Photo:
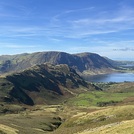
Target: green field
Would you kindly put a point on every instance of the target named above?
(99, 98)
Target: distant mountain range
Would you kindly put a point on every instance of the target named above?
(119, 63)
(82, 62)
(42, 84)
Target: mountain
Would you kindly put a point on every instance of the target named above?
(119, 63)
(42, 84)
(82, 62)
(92, 63)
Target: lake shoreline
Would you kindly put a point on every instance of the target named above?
(110, 77)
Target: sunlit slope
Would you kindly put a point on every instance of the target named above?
(105, 119)
(124, 127)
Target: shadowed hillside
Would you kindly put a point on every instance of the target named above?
(43, 83)
(88, 62)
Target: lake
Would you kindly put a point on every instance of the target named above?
(113, 77)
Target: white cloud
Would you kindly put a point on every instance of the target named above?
(107, 48)
(81, 25)
(20, 31)
(19, 46)
(76, 24)
(16, 46)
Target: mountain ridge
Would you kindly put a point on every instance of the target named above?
(45, 83)
(80, 62)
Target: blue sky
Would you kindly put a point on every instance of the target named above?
(105, 27)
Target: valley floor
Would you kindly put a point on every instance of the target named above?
(109, 111)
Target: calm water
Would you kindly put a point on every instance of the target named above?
(114, 77)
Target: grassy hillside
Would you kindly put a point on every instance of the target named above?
(124, 127)
(98, 112)
(100, 98)
(33, 120)
(84, 122)
(54, 99)
(42, 84)
(110, 94)
(56, 119)
(101, 111)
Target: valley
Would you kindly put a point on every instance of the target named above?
(66, 67)
(88, 112)
(44, 93)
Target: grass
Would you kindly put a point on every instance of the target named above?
(35, 120)
(4, 129)
(113, 87)
(100, 112)
(69, 118)
(96, 98)
(89, 112)
(124, 127)
(5, 86)
(99, 118)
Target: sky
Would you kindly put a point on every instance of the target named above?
(105, 27)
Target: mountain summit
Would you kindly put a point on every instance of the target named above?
(82, 62)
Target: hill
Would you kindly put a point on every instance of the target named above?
(82, 62)
(119, 64)
(99, 112)
(42, 84)
(106, 111)
(118, 119)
